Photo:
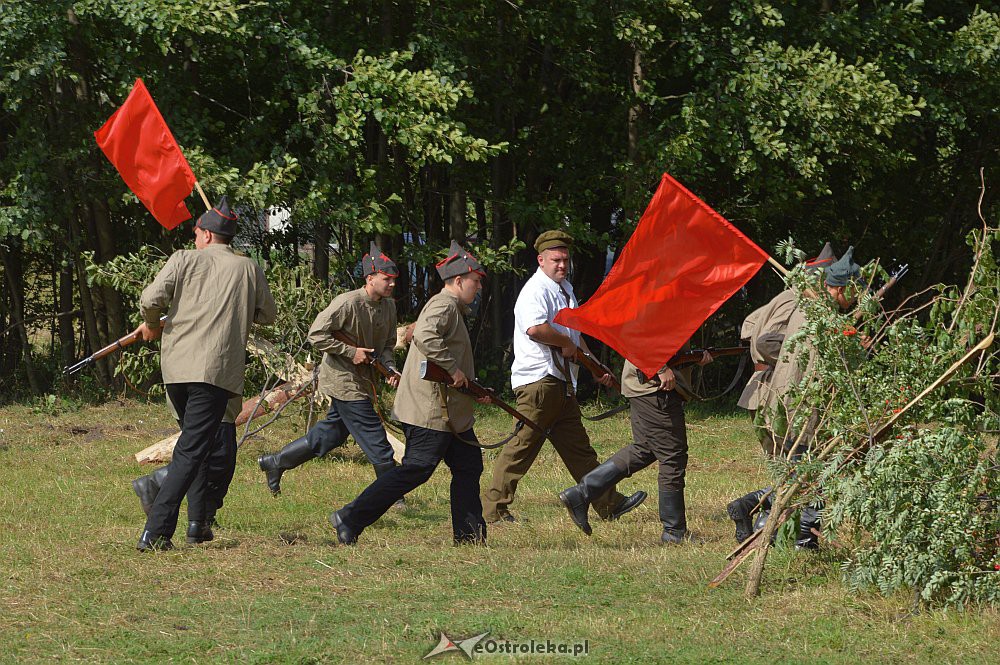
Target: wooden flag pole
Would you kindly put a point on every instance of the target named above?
(782, 270)
(208, 206)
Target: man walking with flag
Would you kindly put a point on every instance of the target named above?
(211, 296)
(544, 381)
(366, 317)
(659, 435)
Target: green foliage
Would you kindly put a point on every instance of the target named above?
(922, 503)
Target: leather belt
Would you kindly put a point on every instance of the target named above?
(762, 367)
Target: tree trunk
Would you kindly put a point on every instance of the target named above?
(321, 252)
(67, 341)
(15, 285)
(634, 111)
(458, 218)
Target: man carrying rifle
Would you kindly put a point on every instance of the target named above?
(213, 296)
(659, 435)
(367, 317)
(437, 421)
(544, 381)
(776, 412)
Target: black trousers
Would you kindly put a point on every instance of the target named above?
(425, 448)
(659, 435)
(211, 485)
(200, 408)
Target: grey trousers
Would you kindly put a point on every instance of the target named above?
(659, 435)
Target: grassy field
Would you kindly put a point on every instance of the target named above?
(74, 588)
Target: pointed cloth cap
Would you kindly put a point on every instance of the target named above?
(219, 219)
(459, 262)
(825, 259)
(844, 270)
(375, 261)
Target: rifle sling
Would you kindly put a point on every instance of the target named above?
(387, 423)
(610, 412)
(690, 395)
(443, 397)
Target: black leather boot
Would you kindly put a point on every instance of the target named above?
(345, 535)
(150, 542)
(628, 503)
(199, 532)
(147, 487)
(296, 453)
(381, 469)
(742, 510)
(578, 498)
(761, 520)
(808, 520)
(673, 518)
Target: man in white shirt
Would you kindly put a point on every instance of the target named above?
(544, 381)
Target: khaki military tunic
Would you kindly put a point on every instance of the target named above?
(776, 405)
(369, 322)
(630, 382)
(213, 295)
(442, 337)
(765, 328)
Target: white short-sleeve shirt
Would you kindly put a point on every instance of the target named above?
(538, 303)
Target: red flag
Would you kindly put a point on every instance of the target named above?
(139, 143)
(681, 263)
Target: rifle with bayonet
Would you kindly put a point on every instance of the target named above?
(373, 359)
(131, 338)
(431, 371)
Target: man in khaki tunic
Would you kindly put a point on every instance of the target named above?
(544, 381)
(437, 420)
(777, 411)
(766, 328)
(212, 296)
(368, 317)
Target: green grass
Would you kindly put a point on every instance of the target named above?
(72, 586)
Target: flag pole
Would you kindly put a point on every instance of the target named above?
(208, 206)
(782, 270)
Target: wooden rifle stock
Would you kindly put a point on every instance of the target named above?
(693, 356)
(596, 368)
(431, 371)
(121, 343)
(373, 358)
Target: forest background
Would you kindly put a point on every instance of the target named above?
(415, 122)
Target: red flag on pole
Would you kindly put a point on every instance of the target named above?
(139, 144)
(682, 262)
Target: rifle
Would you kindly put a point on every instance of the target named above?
(431, 371)
(693, 356)
(596, 368)
(131, 338)
(896, 274)
(373, 359)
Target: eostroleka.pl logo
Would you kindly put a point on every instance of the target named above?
(478, 644)
(446, 644)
